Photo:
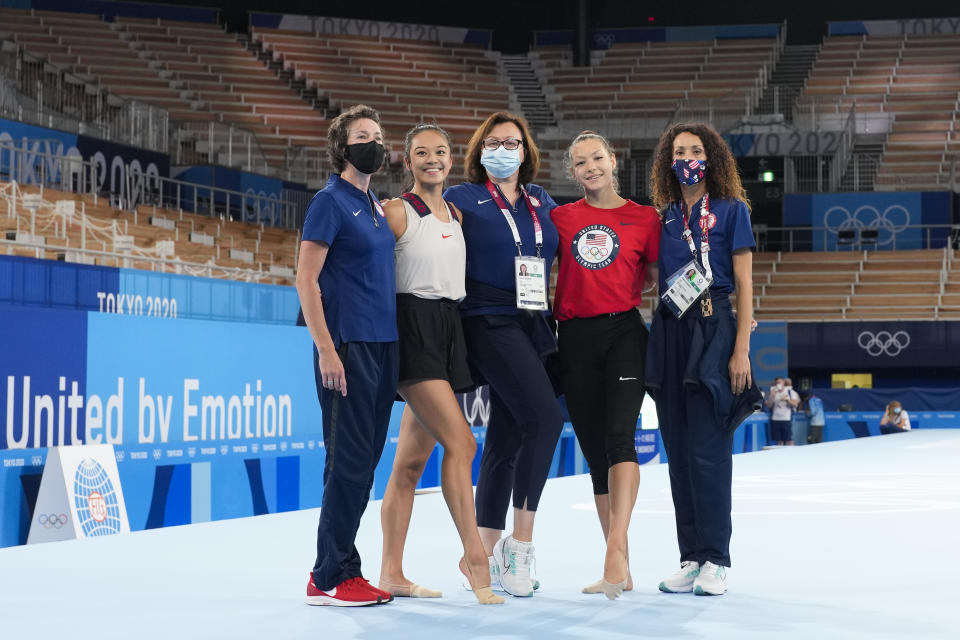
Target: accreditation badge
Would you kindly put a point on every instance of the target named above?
(684, 287)
(531, 276)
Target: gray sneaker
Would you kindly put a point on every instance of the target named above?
(682, 581)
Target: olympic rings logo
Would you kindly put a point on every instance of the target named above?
(893, 220)
(477, 408)
(605, 39)
(52, 520)
(594, 253)
(883, 342)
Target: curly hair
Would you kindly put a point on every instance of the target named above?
(531, 159)
(723, 178)
(340, 129)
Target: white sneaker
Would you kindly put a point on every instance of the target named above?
(712, 580)
(513, 560)
(682, 581)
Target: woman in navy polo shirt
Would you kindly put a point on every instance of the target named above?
(698, 355)
(346, 284)
(506, 224)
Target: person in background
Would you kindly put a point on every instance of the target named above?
(895, 419)
(814, 406)
(782, 400)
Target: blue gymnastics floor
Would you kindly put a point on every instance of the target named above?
(851, 539)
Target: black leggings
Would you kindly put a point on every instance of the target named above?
(602, 360)
(525, 417)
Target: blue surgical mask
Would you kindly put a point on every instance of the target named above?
(689, 172)
(501, 163)
(896, 409)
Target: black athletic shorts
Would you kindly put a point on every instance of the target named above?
(431, 341)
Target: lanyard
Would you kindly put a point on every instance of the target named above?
(707, 221)
(501, 203)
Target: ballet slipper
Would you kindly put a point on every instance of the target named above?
(411, 590)
(612, 590)
(483, 593)
(597, 587)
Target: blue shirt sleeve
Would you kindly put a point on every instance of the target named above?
(547, 201)
(741, 233)
(322, 220)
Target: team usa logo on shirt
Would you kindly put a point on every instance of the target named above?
(595, 246)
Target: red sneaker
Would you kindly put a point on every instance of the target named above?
(352, 592)
(386, 595)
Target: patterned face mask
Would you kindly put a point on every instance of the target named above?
(689, 172)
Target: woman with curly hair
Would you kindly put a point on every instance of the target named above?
(698, 355)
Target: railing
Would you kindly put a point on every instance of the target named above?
(37, 92)
(842, 155)
(133, 188)
(947, 178)
(34, 91)
(919, 236)
(126, 260)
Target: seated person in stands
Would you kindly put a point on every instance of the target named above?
(895, 419)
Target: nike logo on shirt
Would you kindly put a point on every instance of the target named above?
(357, 212)
(482, 201)
(623, 379)
(444, 236)
(669, 221)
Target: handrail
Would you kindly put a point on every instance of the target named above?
(805, 238)
(134, 187)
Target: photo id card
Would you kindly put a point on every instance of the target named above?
(684, 287)
(531, 276)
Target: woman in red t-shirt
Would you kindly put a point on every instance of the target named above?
(607, 253)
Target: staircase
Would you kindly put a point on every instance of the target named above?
(786, 82)
(526, 88)
(308, 94)
(861, 171)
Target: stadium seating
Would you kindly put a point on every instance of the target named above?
(910, 84)
(889, 285)
(408, 82)
(650, 80)
(266, 254)
(196, 71)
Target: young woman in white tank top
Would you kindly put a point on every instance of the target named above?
(430, 265)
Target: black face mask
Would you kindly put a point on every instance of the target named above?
(366, 157)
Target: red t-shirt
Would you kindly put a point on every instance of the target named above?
(603, 256)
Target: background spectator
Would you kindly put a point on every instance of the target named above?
(895, 419)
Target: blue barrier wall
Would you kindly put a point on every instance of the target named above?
(209, 420)
(65, 285)
(111, 159)
(871, 346)
(261, 190)
(893, 214)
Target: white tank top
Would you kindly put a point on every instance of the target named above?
(431, 257)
